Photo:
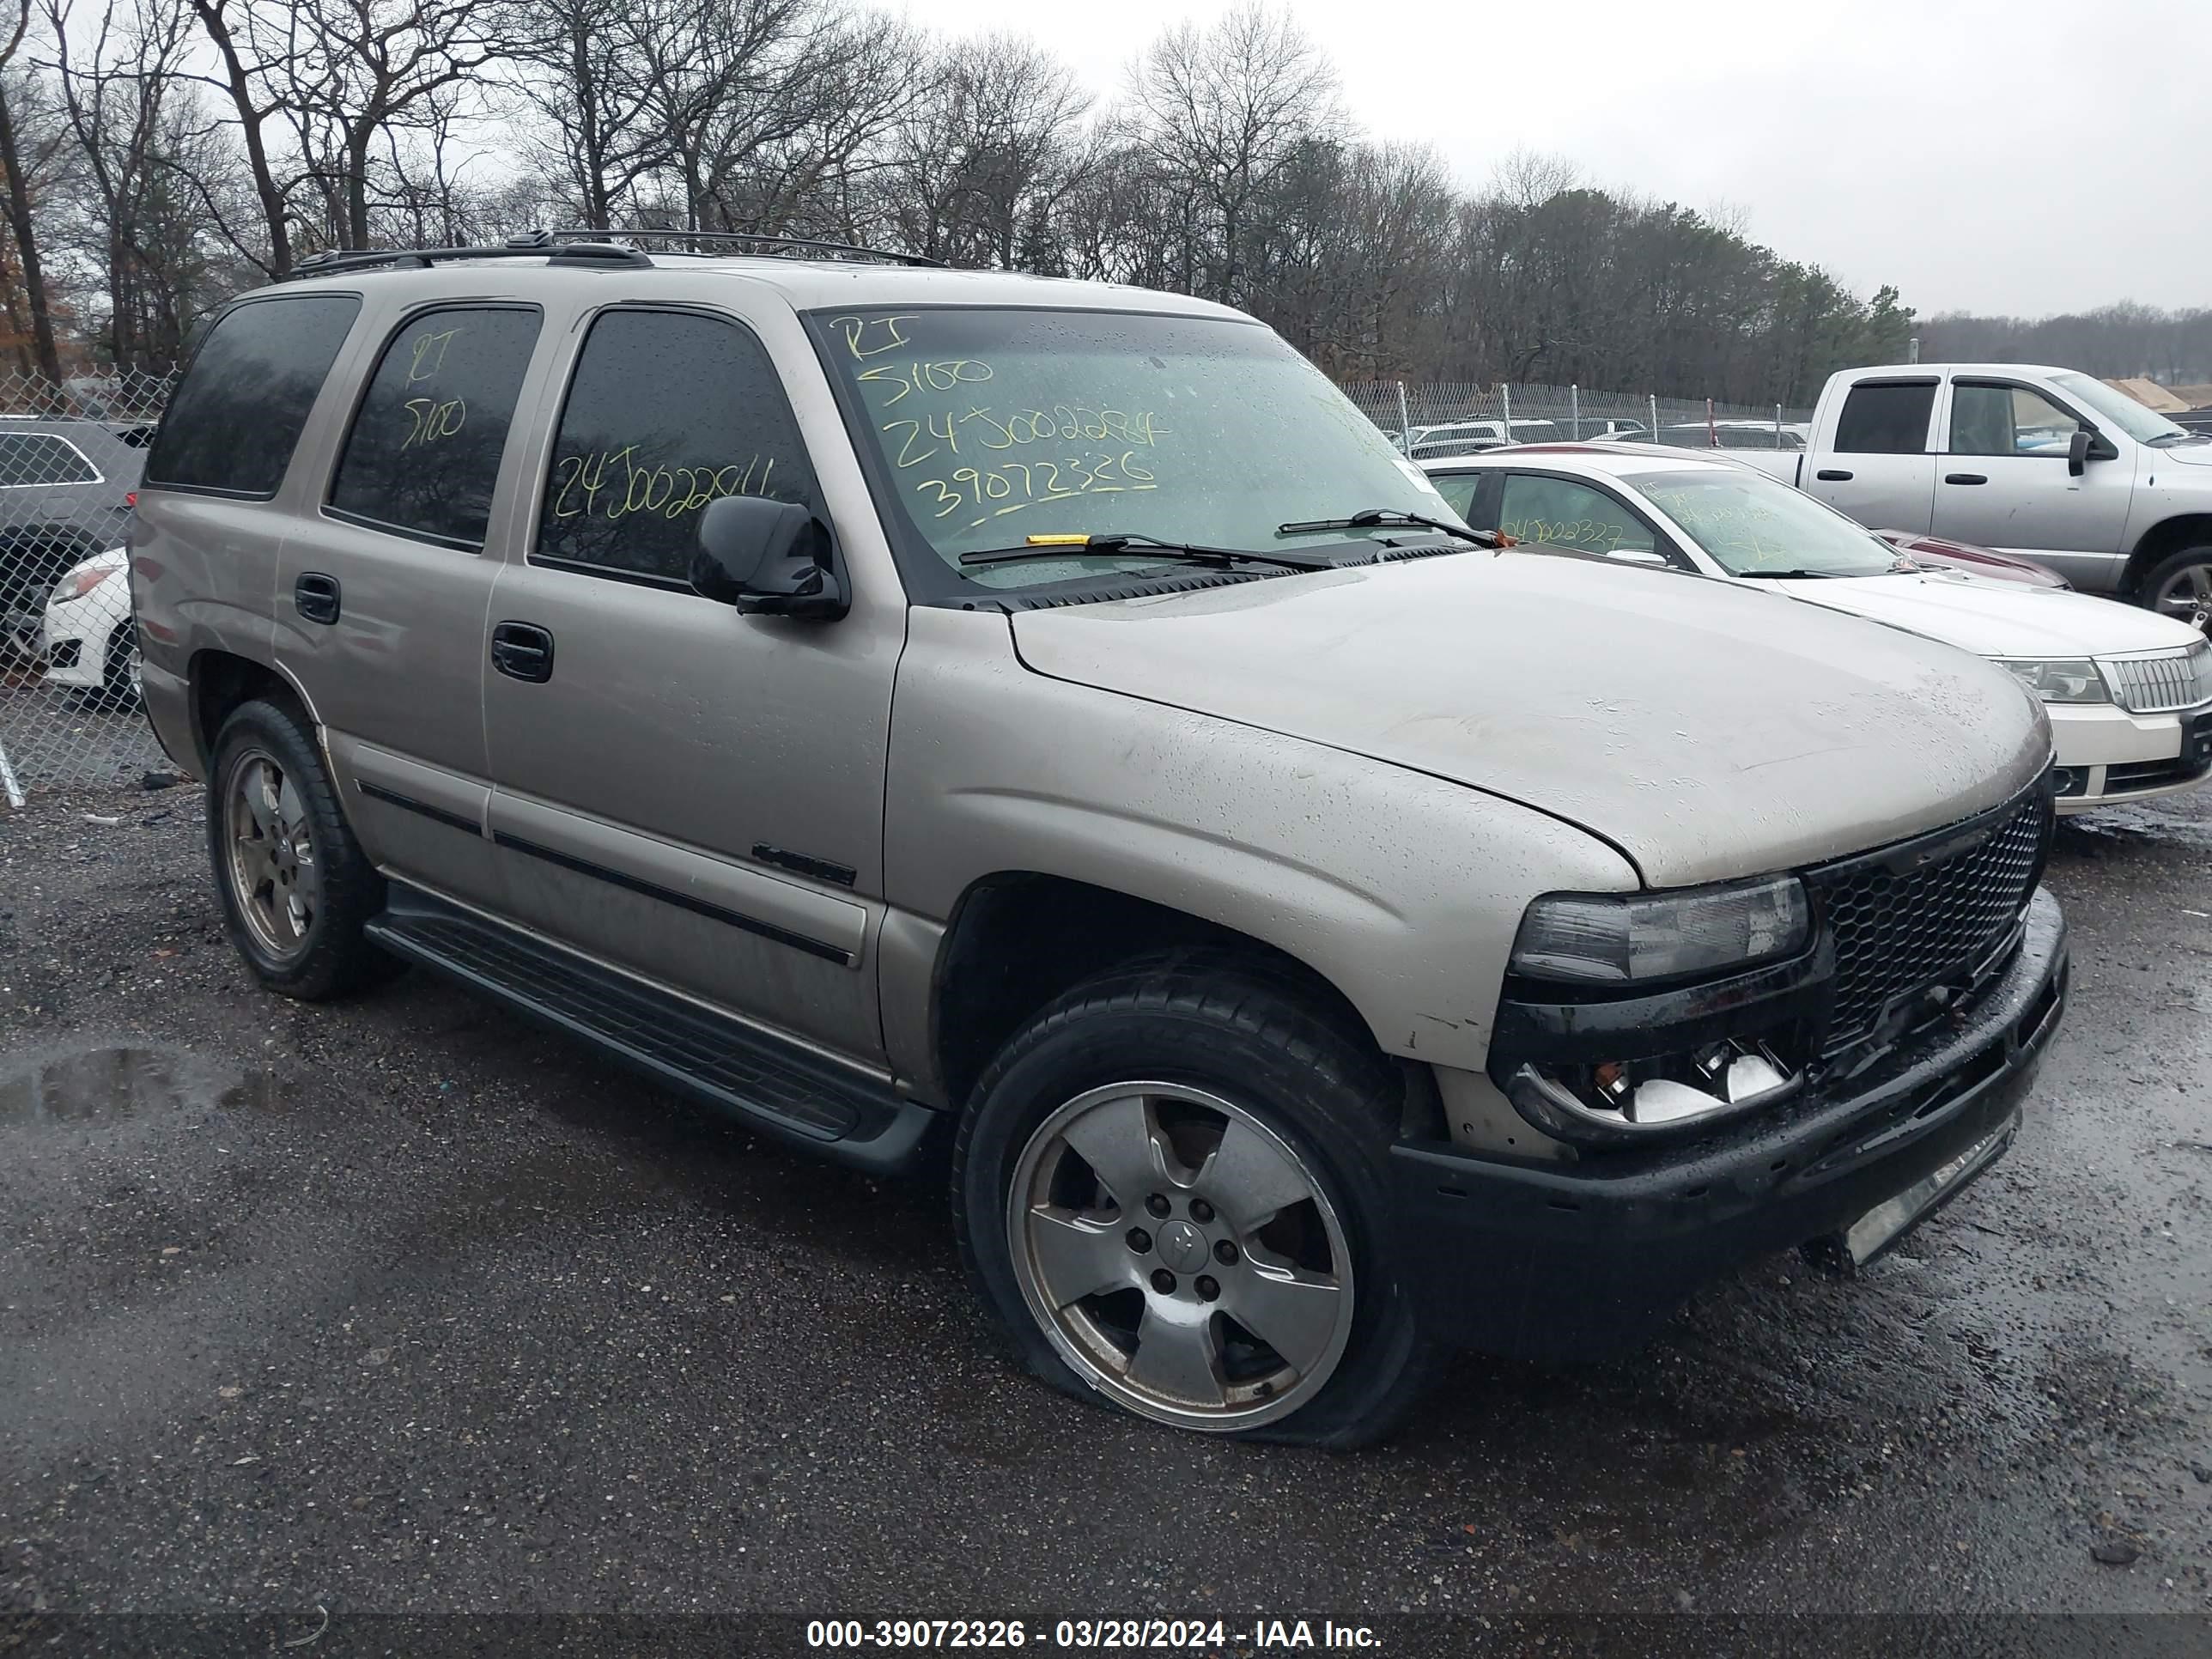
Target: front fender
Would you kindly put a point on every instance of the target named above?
(1402, 889)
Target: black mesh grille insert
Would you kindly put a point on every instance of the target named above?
(1898, 934)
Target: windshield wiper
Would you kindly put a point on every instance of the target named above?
(2165, 440)
(1383, 517)
(1789, 576)
(1123, 542)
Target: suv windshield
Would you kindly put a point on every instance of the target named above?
(2122, 412)
(1006, 429)
(1755, 525)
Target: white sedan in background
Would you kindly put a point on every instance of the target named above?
(2129, 691)
(89, 641)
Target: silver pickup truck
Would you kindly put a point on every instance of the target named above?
(2046, 463)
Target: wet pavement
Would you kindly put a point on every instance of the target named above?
(400, 1306)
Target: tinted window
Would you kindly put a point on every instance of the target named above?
(1458, 490)
(233, 423)
(1562, 514)
(1886, 420)
(666, 413)
(2007, 420)
(425, 447)
(40, 458)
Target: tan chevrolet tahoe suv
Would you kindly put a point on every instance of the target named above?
(927, 712)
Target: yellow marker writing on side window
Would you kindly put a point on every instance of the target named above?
(1057, 541)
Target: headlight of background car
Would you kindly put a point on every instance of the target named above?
(82, 579)
(2059, 679)
(1601, 938)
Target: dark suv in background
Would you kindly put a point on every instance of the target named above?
(66, 490)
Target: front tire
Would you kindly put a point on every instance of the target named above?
(2180, 586)
(296, 886)
(1171, 1190)
(119, 687)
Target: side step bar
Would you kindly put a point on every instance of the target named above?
(774, 1087)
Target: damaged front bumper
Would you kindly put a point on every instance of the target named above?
(1582, 1260)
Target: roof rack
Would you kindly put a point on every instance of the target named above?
(535, 244)
(759, 240)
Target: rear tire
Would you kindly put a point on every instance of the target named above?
(1247, 1290)
(296, 888)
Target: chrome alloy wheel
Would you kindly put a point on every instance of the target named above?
(1181, 1256)
(272, 856)
(2186, 595)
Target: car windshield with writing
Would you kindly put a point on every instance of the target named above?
(999, 430)
(1754, 526)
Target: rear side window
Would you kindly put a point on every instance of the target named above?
(231, 428)
(1885, 419)
(1559, 513)
(30, 459)
(668, 411)
(426, 443)
(1458, 490)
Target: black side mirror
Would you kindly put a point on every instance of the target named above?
(769, 557)
(2077, 451)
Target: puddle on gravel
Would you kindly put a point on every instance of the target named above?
(123, 1083)
(2131, 826)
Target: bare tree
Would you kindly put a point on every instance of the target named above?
(772, 110)
(982, 161)
(122, 98)
(589, 74)
(354, 71)
(19, 203)
(1220, 111)
(247, 76)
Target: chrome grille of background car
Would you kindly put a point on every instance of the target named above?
(2158, 685)
(1899, 934)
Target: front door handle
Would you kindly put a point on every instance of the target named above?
(1831, 475)
(1966, 477)
(315, 597)
(522, 651)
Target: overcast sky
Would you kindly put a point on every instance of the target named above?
(2028, 157)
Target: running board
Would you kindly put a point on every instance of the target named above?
(773, 1087)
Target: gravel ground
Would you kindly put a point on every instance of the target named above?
(400, 1307)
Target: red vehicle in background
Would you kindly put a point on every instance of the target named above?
(1948, 555)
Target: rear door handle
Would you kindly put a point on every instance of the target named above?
(315, 597)
(1966, 477)
(522, 651)
(1829, 475)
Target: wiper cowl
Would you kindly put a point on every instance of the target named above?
(1128, 543)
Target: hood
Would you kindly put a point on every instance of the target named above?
(1707, 729)
(2194, 454)
(1995, 618)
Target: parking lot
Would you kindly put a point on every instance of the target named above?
(400, 1306)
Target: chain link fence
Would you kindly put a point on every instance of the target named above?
(1454, 418)
(71, 455)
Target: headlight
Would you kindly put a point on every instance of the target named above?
(2058, 679)
(82, 579)
(1603, 939)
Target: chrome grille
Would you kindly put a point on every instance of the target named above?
(1896, 934)
(2161, 684)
